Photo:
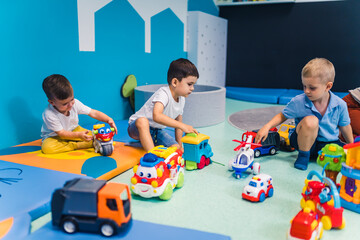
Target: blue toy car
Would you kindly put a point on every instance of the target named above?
(197, 151)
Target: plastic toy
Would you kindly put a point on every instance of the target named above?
(244, 159)
(284, 137)
(332, 155)
(259, 187)
(197, 151)
(305, 225)
(270, 146)
(158, 173)
(323, 198)
(350, 180)
(92, 206)
(103, 141)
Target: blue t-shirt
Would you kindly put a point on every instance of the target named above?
(336, 115)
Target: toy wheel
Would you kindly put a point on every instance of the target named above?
(69, 225)
(201, 164)
(342, 224)
(326, 221)
(257, 153)
(207, 161)
(166, 195)
(180, 181)
(271, 192)
(256, 168)
(272, 151)
(107, 229)
(262, 197)
(302, 203)
(106, 150)
(310, 204)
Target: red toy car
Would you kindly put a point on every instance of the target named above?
(305, 225)
(158, 173)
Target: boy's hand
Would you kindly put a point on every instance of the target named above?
(112, 124)
(189, 129)
(261, 135)
(85, 136)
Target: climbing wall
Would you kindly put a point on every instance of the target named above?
(207, 37)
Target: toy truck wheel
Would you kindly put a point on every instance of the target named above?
(271, 192)
(342, 224)
(326, 221)
(107, 229)
(257, 153)
(106, 150)
(180, 181)
(207, 161)
(272, 151)
(167, 192)
(69, 225)
(262, 197)
(201, 164)
(256, 168)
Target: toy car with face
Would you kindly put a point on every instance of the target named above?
(259, 187)
(305, 225)
(103, 141)
(158, 173)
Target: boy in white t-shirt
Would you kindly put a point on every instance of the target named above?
(60, 131)
(165, 108)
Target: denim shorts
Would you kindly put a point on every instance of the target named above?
(316, 147)
(159, 136)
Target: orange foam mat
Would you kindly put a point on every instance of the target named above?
(85, 161)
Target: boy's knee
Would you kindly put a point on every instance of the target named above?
(310, 122)
(142, 123)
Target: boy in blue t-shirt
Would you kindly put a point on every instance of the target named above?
(318, 114)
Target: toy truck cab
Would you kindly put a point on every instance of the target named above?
(197, 151)
(269, 146)
(259, 187)
(305, 225)
(91, 205)
(158, 173)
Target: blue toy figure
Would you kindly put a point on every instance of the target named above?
(197, 151)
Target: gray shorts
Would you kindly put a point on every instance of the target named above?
(159, 136)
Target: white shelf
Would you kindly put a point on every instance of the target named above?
(221, 3)
(230, 3)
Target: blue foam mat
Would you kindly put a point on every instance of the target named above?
(137, 230)
(26, 189)
(262, 95)
(20, 228)
(267, 95)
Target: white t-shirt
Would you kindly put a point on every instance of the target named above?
(56, 121)
(172, 108)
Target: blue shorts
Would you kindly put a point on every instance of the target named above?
(316, 147)
(159, 136)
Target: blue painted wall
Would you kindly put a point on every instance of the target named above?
(40, 37)
(206, 6)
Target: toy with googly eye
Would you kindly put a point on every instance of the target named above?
(103, 139)
(158, 173)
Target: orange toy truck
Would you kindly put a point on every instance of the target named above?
(91, 205)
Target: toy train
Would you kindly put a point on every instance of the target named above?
(197, 151)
